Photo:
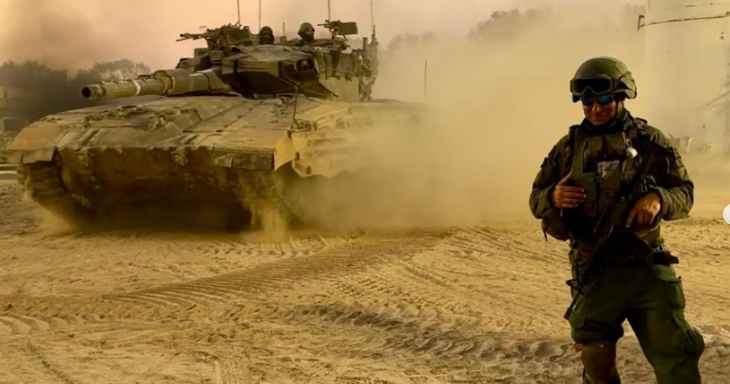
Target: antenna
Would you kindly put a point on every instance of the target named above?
(425, 81)
(238, 8)
(259, 15)
(296, 102)
(329, 10)
(372, 18)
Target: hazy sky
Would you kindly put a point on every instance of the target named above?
(76, 33)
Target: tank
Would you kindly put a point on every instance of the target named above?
(230, 133)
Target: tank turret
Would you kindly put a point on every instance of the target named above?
(234, 61)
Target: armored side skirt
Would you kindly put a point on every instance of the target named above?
(102, 184)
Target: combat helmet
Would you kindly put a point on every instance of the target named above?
(266, 35)
(304, 27)
(602, 75)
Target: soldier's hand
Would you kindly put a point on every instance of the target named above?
(565, 196)
(645, 210)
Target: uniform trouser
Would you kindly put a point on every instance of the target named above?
(653, 302)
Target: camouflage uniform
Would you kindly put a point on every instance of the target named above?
(648, 294)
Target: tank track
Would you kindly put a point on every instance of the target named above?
(42, 181)
(274, 196)
(264, 195)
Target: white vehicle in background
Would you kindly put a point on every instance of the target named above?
(687, 52)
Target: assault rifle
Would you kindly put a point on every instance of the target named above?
(610, 234)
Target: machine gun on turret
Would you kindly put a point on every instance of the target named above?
(223, 38)
(340, 28)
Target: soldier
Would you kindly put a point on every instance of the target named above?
(578, 178)
(266, 36)
(306, 32)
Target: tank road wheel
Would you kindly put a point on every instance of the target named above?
(294, 193)
(42, 181)
(268, 213)
(273, 198)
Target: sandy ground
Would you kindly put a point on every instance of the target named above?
(481, 304)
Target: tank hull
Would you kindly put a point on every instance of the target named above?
(235, 156)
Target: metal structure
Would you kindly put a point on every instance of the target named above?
(13, 109)
(687, 54)
(15, 105)
(236, 128)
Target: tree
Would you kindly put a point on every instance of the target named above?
(505, 25)
(56, 89)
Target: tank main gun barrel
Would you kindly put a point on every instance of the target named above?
(163, 82)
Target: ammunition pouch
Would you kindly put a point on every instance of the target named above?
(554, 225)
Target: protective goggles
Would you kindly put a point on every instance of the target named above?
(588, 101)
(596, 85)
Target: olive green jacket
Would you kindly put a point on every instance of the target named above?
(675, 188)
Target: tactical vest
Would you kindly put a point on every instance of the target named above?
(599, 164)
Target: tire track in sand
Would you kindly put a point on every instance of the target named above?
(29, 363)
(402, 336)
(437, 280)
(254, 282)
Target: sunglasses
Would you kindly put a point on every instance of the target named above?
(601, 100)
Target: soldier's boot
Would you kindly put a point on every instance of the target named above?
(586, 380)
(599, 363)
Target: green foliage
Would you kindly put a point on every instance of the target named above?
(31, 75)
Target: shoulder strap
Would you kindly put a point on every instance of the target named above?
(638, 134)
(568, 150)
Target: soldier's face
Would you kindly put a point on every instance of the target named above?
(600, 109)
(308, 33)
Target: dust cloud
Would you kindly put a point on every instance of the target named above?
(76, 33)
(497, 89)
(497, 104)
(50, 49)
(51, 32)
